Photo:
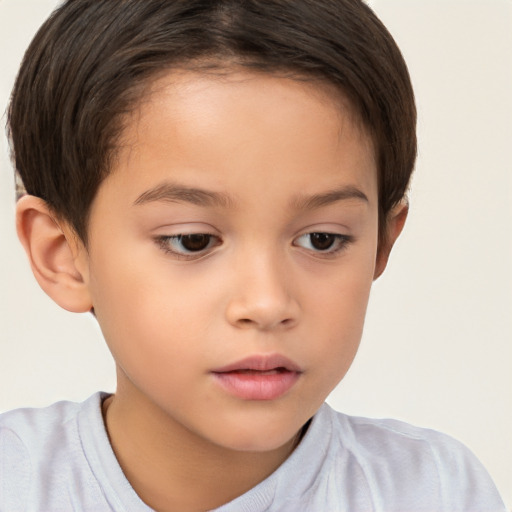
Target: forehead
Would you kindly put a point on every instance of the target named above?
(239, 123)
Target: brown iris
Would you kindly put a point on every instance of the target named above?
(322, 241)
(195, 242)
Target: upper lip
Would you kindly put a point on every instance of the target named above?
(261, 363)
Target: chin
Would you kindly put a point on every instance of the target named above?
(258, 437)
(260, 445)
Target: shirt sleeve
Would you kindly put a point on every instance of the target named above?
(465, 484)
(15, 469)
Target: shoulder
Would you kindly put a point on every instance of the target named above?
(34, 428)
(389, 436)
(38, 446)
(28, 421)
(404, 462)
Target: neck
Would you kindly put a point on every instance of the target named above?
(171, 468)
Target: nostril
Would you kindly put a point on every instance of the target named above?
(281, 313)
(265, 323)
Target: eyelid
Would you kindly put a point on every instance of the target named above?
(163, 242)
(167, 242)
(341, 243)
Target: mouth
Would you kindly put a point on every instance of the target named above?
(258, 377)
(262, 364)
(273, 371)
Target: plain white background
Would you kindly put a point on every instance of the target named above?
(437, 348)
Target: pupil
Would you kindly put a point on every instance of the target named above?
(196, 242)
(322, 241)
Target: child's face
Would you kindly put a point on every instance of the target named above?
(244, 168)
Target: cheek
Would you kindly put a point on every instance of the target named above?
(342, 295)
(148, 315)
(338, 311)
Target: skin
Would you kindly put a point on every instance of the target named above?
(266, 146)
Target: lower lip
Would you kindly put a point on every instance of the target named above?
(257, 385)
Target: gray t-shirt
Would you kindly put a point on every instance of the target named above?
(59, 459)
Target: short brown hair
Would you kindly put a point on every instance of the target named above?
(87, 65)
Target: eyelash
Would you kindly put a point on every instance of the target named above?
(165, 243)
(340, 243)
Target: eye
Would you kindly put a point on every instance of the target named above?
(194, 244)
(328, 243)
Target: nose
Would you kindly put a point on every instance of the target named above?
(262, 296)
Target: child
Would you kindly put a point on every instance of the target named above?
(219, 183)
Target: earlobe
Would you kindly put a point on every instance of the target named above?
(394, 225)
(57, 258)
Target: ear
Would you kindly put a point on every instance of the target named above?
(394, 224)
(58, 259)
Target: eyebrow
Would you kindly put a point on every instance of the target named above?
(170, 192)
(310, 202)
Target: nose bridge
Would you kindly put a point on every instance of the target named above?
(262, 293)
